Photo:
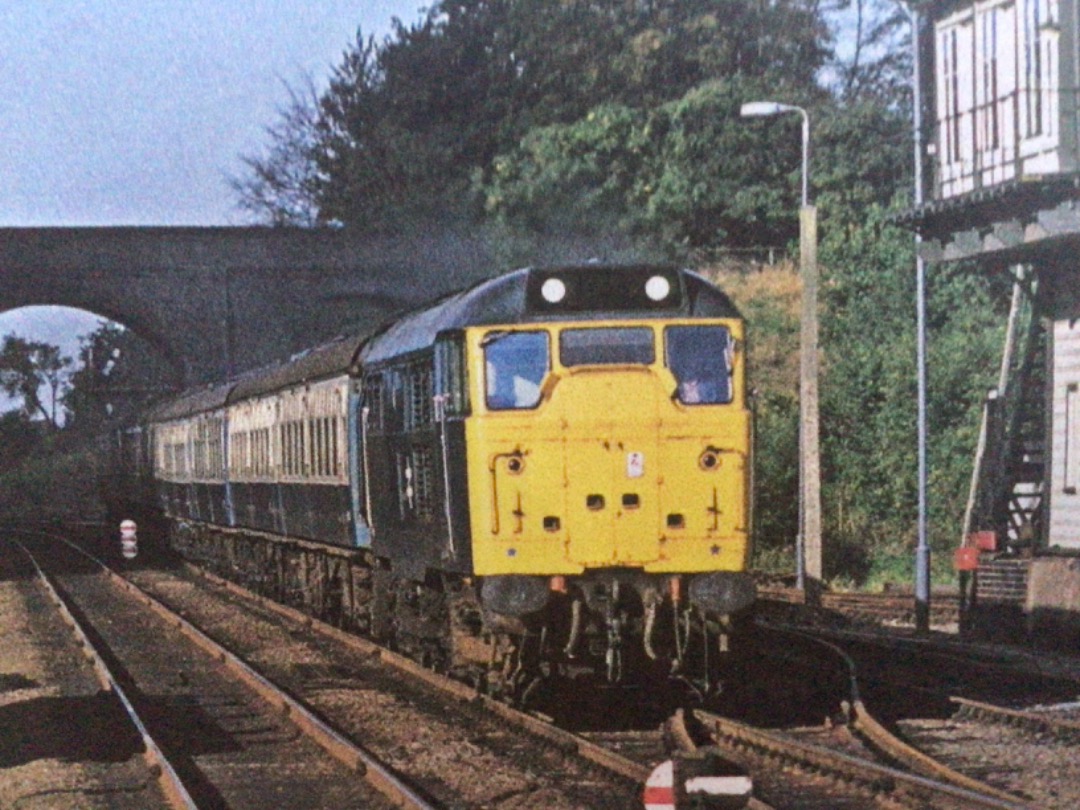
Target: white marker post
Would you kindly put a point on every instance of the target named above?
(129, 542)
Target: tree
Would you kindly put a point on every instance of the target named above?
(692, 173)
(280, 185)
(408, 126)
(868, 388)
(19, 438)
(27, 367)
(580, 177)
(876, 60)
(117, 375)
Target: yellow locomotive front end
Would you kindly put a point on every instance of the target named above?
(609, 463)
(609, 469)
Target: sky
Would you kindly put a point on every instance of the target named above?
(136, 112)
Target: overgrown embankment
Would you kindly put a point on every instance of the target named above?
(52, 485)
(868, 402)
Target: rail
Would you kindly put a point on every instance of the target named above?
(169, 781)
(379, 775)
(879, 778)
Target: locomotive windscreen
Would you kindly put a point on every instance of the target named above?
(610, 289)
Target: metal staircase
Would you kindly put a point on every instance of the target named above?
(1008, 478)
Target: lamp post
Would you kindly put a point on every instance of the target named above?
(922, 550)
(808, 541)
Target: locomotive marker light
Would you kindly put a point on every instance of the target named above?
(808, 539)
(129, 541)
(553, 290)
(657, 288)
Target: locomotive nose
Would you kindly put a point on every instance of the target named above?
(610, 447)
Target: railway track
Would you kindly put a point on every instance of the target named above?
(479, 752)
(889, 607)
(836, 770)
(459, 748)
(159, 765)
(215, 734)
(1030, 752)
(50, 684)
(852, 761)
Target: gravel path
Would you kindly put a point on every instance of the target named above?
(64, 743)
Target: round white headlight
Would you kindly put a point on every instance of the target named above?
(657, 288)
(553, 291)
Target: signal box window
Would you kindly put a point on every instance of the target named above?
(516, 364)
(603, 346)
(700, 357)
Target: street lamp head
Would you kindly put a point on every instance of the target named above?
(755, 109)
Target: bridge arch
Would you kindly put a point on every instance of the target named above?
(162, 348)
(220, 300)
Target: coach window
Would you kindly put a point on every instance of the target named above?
(701, 359)
(516, 364)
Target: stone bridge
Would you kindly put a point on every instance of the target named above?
(216, 301)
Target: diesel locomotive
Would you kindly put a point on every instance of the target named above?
(545, 474)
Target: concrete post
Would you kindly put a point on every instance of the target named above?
(809, 432)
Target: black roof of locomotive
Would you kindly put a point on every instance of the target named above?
(514, 298)
(507, 299)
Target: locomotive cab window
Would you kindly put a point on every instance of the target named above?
(701, 358)
(516, 364)
(624, 345)
(450, 373)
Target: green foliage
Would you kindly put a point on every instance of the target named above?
(61, 485)
(407, 125)
(692, 174)
(776, 470)
(718, 179)
(19, 438)
(862, 157)
(117, 374)
(869, 388)
(667, 175)
(575, 177)
(27, 369)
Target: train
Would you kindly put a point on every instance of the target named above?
(545, 475)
